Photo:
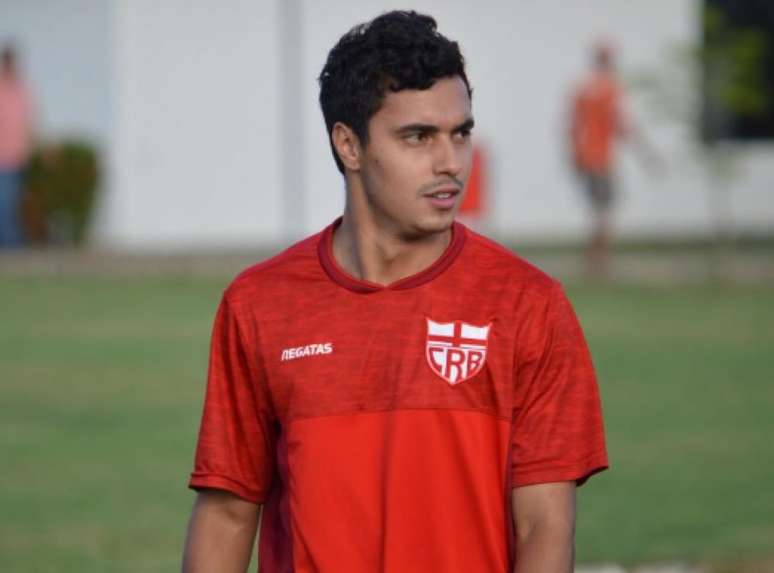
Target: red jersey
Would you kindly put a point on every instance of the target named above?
(596, 122)
(383, 427)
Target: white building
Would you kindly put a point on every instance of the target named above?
(207, 112)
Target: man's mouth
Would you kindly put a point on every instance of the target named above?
(444, 198)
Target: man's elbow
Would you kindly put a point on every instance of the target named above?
(559, 527)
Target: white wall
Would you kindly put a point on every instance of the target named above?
(65, 58)
(204, 142)
(523, 59)
(195, 130)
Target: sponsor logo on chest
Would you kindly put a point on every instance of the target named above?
(456, 351)
(308, 350)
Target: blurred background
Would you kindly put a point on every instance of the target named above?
(150, 150)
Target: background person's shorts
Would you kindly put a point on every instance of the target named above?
(599, 187)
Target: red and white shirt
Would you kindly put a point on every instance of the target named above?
(15, 123)
(383, 427)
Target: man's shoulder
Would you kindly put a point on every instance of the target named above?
(276, 272)
(493, 261)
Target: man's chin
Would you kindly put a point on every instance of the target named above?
(431, 226)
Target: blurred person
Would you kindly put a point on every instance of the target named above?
(395, 393)
(15, 143)
(596, 123)
(472, 207)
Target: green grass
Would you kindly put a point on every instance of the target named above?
(687, 378)
(101, 385)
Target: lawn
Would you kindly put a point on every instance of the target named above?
(100, 394)
(687, 378)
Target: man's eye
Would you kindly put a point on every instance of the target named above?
(463, 134)
(415, 138)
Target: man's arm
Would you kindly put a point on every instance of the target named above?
(221, 533)
(544, 516)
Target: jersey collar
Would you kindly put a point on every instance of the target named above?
(340, 276)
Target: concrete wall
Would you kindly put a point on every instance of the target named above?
(214, 137)
(524, 58)
(196, 125)
(65, 50)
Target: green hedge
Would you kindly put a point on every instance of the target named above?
(61, 183)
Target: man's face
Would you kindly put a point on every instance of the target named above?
(418, 158)
(7, 63)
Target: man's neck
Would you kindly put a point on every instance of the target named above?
(369, 252)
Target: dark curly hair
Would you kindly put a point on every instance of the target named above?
(396, 51)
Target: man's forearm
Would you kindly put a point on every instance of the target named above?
(546, 549)
(221, 535)
(544, 516)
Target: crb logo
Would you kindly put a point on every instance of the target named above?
(456, 350)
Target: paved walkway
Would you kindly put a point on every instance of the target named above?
(766, 566)
(657, 268)
(663, 568)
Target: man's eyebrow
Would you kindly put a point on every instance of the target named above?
(466, 125)
(416, 128)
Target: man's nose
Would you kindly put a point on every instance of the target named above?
(449, 157)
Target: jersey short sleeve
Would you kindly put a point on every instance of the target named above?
(235, 451)
(558, 429)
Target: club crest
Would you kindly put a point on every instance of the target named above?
(456, 350)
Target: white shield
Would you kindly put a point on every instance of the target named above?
(456, 350)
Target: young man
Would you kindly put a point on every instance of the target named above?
(595, 124)
(15, 144)
(396, 393)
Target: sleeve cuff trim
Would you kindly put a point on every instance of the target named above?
(201, 481)
(578, 473)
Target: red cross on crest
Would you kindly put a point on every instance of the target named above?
(456, 351)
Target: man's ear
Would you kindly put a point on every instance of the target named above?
(347, 145)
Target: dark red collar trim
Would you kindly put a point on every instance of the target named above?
(340, 276)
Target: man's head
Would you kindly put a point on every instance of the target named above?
(393, 52)
(397, 106)
(603, 55)
(8, 60)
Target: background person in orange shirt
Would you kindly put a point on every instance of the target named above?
(596, 123)
(15, 144)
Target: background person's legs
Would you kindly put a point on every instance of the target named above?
(10, 199)
(600, 190)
